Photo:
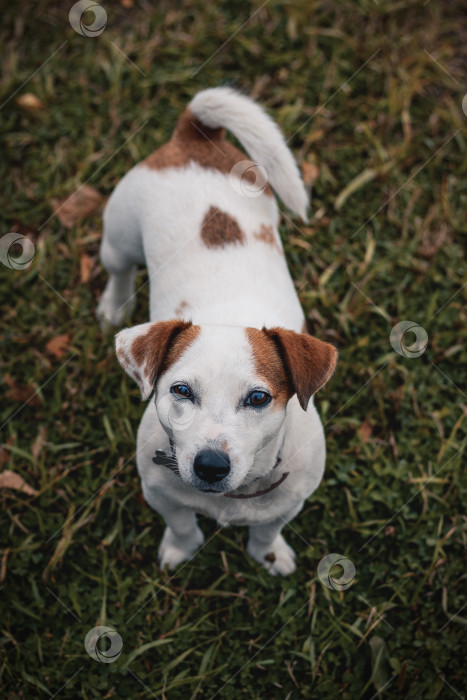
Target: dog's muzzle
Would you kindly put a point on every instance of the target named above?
(211, 466)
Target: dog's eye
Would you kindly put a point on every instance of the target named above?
(182, 390)
(257, 398)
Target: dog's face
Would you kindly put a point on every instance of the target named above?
(221, 392)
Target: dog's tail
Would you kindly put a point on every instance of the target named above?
(260, 137)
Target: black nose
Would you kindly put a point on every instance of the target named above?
(211, 465)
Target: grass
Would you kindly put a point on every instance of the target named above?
(370, 94)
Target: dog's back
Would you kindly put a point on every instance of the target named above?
(203, 217)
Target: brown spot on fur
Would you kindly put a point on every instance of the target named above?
(309, 362)
(291, 362)
(220, 229)
(179, 345)
(225, 446)
(193, 141)
(183, 306)
(123, 359)
(266, 235)
(161, 346)
(270, 366)
(270, 557)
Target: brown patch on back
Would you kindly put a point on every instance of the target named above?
(220, 229)
(270, 366)
(194, 141)
(161, 346)
(266, 235)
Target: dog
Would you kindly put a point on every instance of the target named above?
(232, 431)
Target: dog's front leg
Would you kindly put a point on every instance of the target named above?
(268, 547)
(182, 536)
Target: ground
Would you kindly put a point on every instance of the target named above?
(371, 96)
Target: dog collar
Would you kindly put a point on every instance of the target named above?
(170, 461)
(263, 492)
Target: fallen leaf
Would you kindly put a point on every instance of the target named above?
(310, 173)
(39, 441)
(57, 346)
(298, 242)
(77, 206)
(365, 431)
(86, 264)
(29, 101)
(11, 480)
(21, 392)
(6, 552)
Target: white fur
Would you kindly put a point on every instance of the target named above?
(259, 135)
(155, 217)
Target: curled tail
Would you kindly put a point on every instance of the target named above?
(260, 137)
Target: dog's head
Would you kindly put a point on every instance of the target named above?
(221, 392)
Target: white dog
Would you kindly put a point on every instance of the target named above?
(232, 431)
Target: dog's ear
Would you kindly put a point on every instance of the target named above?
(143, 350)
(309, 362)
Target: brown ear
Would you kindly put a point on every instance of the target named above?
(143, 351)
(309, 362)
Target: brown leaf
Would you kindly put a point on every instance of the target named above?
(21, 392)
(57, 346)
(6, 552)
(39, 441)
(29, 101)
(77, 206)
(86, 264)
(11, 480)
(365, 431)
(310, 173)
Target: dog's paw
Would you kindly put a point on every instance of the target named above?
(173, 550)
(111, 313)
(277, 559)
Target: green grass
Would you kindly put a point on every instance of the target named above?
(82, 552)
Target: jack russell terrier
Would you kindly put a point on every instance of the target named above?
(232, 431)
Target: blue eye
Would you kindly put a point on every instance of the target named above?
(257, 398)
(181, 390)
